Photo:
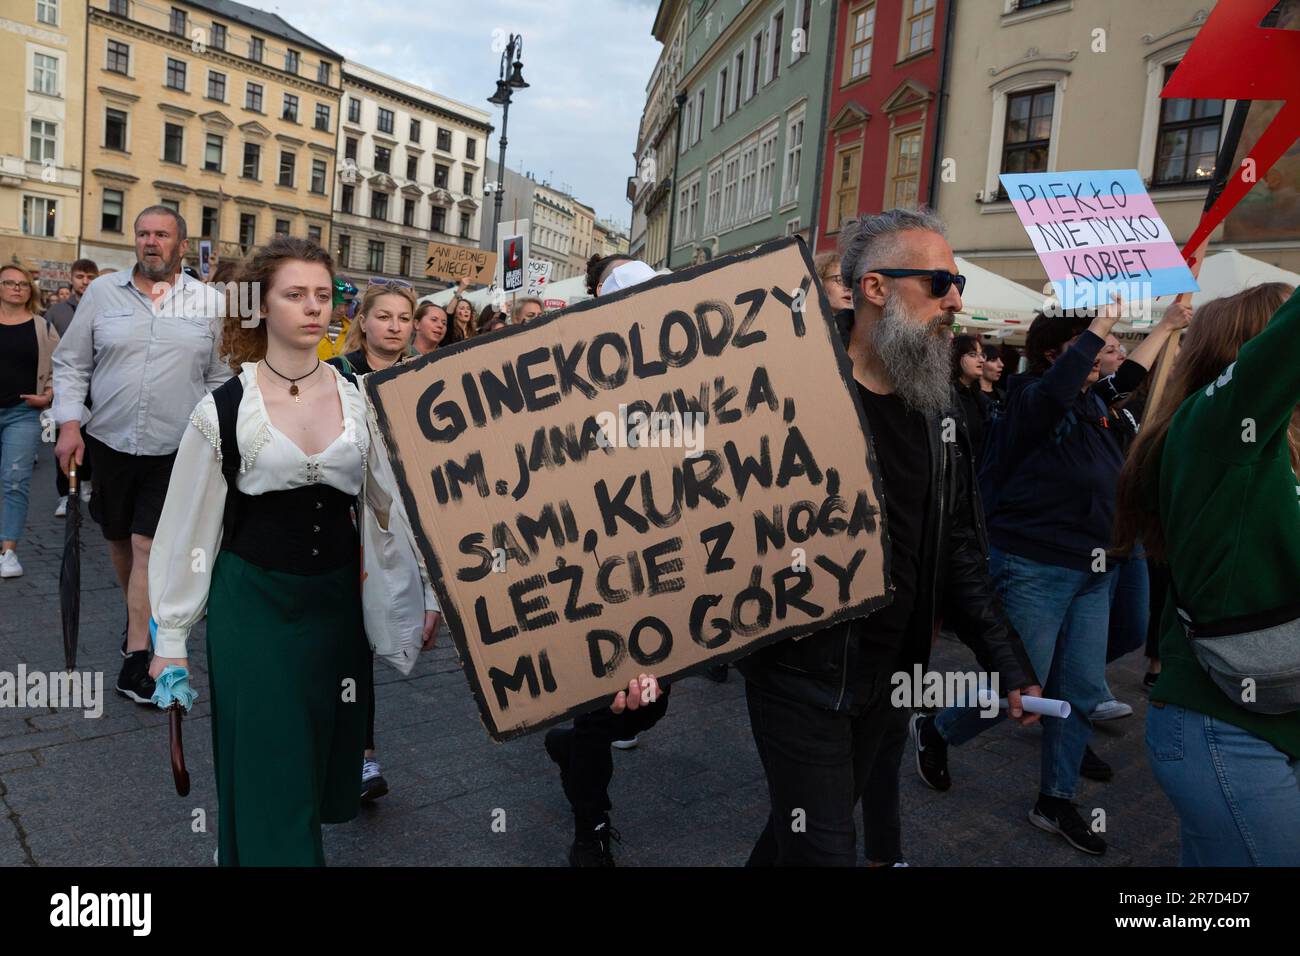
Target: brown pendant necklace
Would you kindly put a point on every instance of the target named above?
(293, 382)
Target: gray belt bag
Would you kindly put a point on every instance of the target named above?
(1254, 659)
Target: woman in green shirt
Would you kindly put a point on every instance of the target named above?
(1211, 489)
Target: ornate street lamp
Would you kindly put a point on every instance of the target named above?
(510, 77)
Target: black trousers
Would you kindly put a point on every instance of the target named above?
(583, 753)
(882, 834)
(818, 765)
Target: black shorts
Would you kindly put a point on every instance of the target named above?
(128, 492)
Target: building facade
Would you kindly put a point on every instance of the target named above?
(886, 90)
(609, 238)
(223, 112)
(754, 82)
(584, 224)
(42, 65)
(553, 222)
(1060, 85)
(410, 169)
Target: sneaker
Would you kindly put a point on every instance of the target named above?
(1061, 818)
(1111, 710)
(931, 753)
(373, 784)
(1094, 768)
(592, 848)
(61, 511)
(9, 566)
(1149, 680)
(134, 681)
(629, 744)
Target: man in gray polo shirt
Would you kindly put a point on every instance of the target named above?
(146, 344)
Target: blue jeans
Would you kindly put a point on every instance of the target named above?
(1062, 617)
(20, 436)
(1130, 603)
(1237, 796)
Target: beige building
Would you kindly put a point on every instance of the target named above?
(608, 239)
(42, 71)
(553, 228)
(224, 112)
(1068, 85)
(584, 223)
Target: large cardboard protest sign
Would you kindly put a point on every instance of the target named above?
(1097, 233)
(641, 483)
(453, 263)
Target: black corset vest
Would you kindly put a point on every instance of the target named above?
(308, 530)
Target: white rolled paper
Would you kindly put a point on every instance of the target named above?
(1046, 706)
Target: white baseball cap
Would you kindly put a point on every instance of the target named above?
(626, 275)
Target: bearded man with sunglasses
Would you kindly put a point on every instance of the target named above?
(820, 707)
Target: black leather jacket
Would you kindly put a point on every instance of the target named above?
(824, 668)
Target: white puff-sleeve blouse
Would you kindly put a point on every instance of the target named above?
(188, 537)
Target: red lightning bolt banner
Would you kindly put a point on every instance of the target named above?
(1233, 57)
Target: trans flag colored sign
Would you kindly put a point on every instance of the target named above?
(1097, 233)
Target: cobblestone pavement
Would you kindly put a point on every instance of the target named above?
(90, 792)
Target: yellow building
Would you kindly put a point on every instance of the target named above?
(224, 112)
(42, 71)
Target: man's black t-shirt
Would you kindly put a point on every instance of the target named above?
(903, 451)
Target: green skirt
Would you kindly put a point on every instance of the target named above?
(288, 669)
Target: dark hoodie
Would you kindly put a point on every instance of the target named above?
(1051, 467)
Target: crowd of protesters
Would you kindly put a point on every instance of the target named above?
(1048, 516)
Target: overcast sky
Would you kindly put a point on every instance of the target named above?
(587, 63)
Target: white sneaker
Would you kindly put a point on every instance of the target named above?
(85, 491)
(62, 510)
(629, 744)
(1111, 710)
(9, 566)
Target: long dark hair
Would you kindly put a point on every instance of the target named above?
(1049, 333)
(453, 330)
(962, 345)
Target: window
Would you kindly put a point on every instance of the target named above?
(114, 129)
(319, 173)
(350, 148)
(385, 120)
(45, 74)
(748, 179)
(217, 36)
(444, 140)
(906, 161)
(209, 222)
(440, 173)
(471, 148)
(323, 78)
(738, 69)
(844, 195)
(255, 49)
(699, 117)
(178, 21)
(439, 221)
(253, 97)
(688, 123)
(755, 58)
(713, 199)
(793, 158)
(766, 169)
(212, 152)
(412, 166)
(282, 227)
(247, 230)
(379, 206)
(287, 163)
(685, 227)
(175, 74)
(290, 110)
(720, 107)
(345, 251)
(252, 160)
(354, 110)
(375, 256)
(468, 183)
(730, 185)
(804, 16)
(118, 59)
(291, 62)
(117, 7)
(464, 225)
(41, 145)
(408, 212)
(1188, 140)
(346, 197)
(861, 35)
(383, 158)
(313, 233)
(1027, 134)
(404, 262)
(323, 117)
(173, 142)
(774, 33)
(47, 11)
(918, 28)
(216, 86)
(110, 216)
(39, 216)
(413, 134)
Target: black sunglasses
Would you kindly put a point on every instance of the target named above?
(941, 280)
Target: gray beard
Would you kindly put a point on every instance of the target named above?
(916, 358)
(160, 275)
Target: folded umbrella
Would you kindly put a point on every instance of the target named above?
(173, 693)
(70, 572)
